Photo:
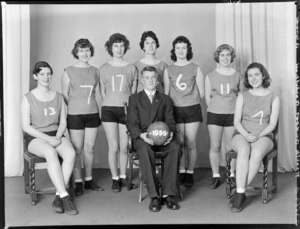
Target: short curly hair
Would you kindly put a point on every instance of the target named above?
(222, 48)
(116, 38)
(41, 64)
(182, 39)
(148, 34)
(266, 76)
(82, 43)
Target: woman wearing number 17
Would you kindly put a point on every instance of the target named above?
(184, 82)
(118, 80)
(79, 82)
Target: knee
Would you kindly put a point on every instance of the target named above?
(51, 154)
(88, 148)
(215, 147)
(256, 156)
(78, 150)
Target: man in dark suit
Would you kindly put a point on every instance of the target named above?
(141, 113)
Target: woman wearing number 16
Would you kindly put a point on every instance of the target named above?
(118, 80)
(79, 83)
(184, 82)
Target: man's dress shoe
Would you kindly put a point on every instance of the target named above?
(154, 205)
(171, 203)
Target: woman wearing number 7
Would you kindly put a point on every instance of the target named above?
(79, 83)
(118, 80)
(183, 81)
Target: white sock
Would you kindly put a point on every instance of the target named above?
(182, 171)
(88, 178)
(240, 190)
(63, 194)
(190, 171)
(123, 176)
(216, 175)
(57, 194)
(164, 196)
(115, 178)
(232, 175)
(78, 180)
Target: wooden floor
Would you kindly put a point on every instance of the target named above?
(200, 205)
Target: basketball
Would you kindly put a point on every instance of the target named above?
(159, 132)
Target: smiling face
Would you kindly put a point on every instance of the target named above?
(225, 58)
(181, 50)
(84, 54)
(149, 80)
(150, 46)
(255, 77)
(44, 77)
(118, 49)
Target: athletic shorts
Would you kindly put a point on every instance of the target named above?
(220, 119)
(188, 114)
(113, 114)
(28, 138)
(82, 121)
(270, 136)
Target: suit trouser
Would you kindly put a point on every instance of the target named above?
(146, 154)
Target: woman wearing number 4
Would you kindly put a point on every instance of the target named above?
(221, 88)
(118, 80)
(183, 81)
(44, 123)
(255, 118)
(79, 83)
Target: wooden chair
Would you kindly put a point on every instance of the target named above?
(272, 155)
(30, 160)
(134, 161)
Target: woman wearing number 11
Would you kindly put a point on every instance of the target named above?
(183, 81)
(79, 82)
(118, 80)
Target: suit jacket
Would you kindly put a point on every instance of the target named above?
(141, 113)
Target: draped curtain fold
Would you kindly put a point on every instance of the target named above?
(266, 33)
(16, 53)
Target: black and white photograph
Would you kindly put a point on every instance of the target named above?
(149, 113)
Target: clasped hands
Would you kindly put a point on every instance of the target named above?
(252, 137)
(54, 141)
(150, 141)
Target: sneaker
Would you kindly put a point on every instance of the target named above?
(182, 178)
(238, 203)
(71, 192)
(189, 181)
(68, 206)
(232, 182)
(214, 183)
(78, 189)
(92, 186)
(232, 198)
(124, 182)
(57, 205)
(116, 185)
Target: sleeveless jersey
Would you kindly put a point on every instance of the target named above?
(183, 87)
(83, 83)
(118, 82)
(160, 67)
(224, 89)
(44, 116)
(256, 111)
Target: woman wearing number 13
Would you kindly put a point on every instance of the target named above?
(183, 81)
(79, 83)
(118, 80)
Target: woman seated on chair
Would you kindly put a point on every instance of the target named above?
(255, 118)
(44, 123)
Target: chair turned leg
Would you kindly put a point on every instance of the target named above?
(141, 184)
(265, 183)
(228, 183)
(26, 176)
(33, 194)
(274, 175)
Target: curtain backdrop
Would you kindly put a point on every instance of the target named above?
(15, 82)
(265, 33)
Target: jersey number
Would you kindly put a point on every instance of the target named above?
(51, 111)
(181, 86)
(227, 88)
(91, 89)
(113, 82)
(261, 113)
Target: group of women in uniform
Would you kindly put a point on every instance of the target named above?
(248, 115)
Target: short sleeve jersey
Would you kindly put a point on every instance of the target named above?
(45, 116)
(83, 83)
(118, 82)
(160, 67)
(183, 87)
(224, 90)
(256, 111)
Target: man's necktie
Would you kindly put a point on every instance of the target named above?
(151, 97)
